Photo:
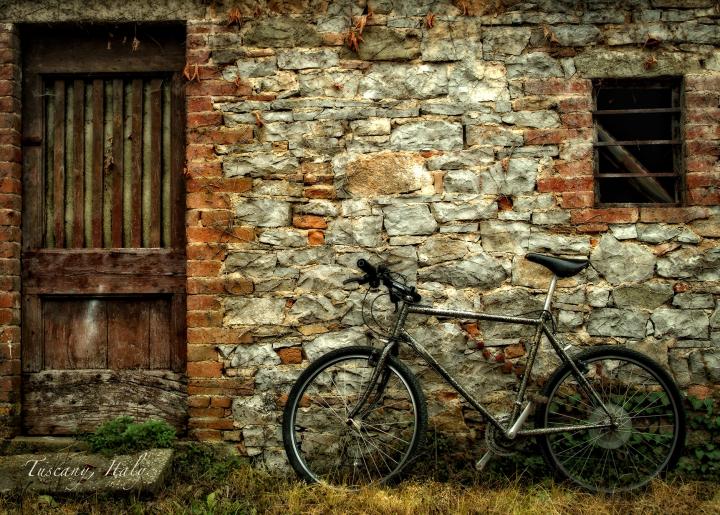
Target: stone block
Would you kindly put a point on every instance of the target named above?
(301, 59)
(281, 32)
(427, 135)
(681, 323)
(622, 262)
(691, 263)
(437, 249)
(499, 236)
(263, 212)
(442, 42)
(409, 219)
(253, 311)
(645, 295)
(386, 44)
(386, 173)
(617, 322)
(451, 212)
(364, 230)
(689, 300)
(480, 270)
(504, 41)
(404, 81)
(604, 63)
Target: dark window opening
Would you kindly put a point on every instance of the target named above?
(638, 141)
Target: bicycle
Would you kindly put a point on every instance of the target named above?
(609, 419)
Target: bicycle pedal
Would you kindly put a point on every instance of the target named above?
(480, 465)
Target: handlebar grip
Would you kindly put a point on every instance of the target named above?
(366, 267)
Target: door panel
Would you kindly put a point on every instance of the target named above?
(103, 275)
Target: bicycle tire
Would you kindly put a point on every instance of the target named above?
(310, 422)
(649, 413)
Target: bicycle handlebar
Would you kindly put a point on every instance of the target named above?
(374, 276)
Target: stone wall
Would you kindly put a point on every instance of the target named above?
(447, 150)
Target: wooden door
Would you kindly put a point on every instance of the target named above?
(103, 260)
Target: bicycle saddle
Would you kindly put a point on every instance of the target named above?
(558, 266)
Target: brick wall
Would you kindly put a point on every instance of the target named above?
(10, 205)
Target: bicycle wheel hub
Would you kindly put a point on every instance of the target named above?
(614, 436)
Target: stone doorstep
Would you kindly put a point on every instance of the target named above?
(81, 472)
(43, 444)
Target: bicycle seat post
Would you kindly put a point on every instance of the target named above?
(551, 291)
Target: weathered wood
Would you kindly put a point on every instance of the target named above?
(32, 343)
(177, 157)
(178, 328)
(92, 50)
(117, 164)
(155, 161)
(136, 136)
(128, 333)
(160, 338)
(33, 124)
(146, 262)
(75, 334)
(59, 165)
(79, 163)
(61, 402)
(97, 163)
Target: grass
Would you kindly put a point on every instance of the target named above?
(246, 490)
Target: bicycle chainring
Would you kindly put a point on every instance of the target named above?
(496, 441)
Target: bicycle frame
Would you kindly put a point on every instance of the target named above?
(521, 409)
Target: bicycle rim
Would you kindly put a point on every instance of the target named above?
(372, 449)
(648, 421)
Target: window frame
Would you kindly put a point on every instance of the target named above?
(677, 83)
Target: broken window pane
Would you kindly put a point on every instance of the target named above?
(638, 146)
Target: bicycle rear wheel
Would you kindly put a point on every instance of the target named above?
(649, 432)
(320, 442)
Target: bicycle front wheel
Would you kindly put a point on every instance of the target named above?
(323, 445)
(639, 399)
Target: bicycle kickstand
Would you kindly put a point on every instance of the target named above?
(483, 461)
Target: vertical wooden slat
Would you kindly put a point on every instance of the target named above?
(160, 338)
(75, 334)
(128, 342)
(117, 168)
(177, 156)
(79, 163)
(33, 219)
(178, 329)
(136, 137)
(97, 165)
(155, 160)
(32, 336)
(59, 165)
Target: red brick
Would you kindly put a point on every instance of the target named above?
(10, 121)
(591, 228)
(10, 384)
(220, 402)
(9, 233)
(217, 335)
(609, 215)
(320, 191)
(204, 369)
(202, 302)
(203, 268)
(10, 300)
(204, 169)
(700, 147)
(206, 251)
(9, 267)
(198, 401)
(563, 184)
(309, 222)
(9, 186)
(238, 286)
(290, 355)
(11, 201)
(9, 217)
(701, 164)
(552, 86)
(10, 367)
(205, 285)
(555, 136)
(204, 318)
(234, 185)
(704, 196)
(10, 153)
(699, 391)
(212, 235)
(206, 435)
(576, 120)
(709, 132)
(695, 82)
(199, 104)
(206, 412)
(702, 180)
(316, 238)
(224, 136)
(202, 353)
(579, 168)
(196, 120)
(10, 334)
(198, 55)
(9, 351)
(218, 88)
(210, 423)
(702, 116)
(9, 104)
(216, 217)
(574, 104)
(9, 71)
(196, 151)
(204, 200)
(672, 215)
(694, 99)
(221, 386)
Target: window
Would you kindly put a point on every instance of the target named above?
(638, 141)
